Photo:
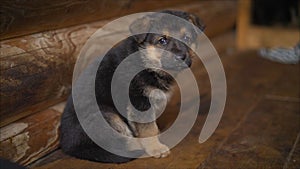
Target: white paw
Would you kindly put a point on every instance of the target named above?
(158, 151)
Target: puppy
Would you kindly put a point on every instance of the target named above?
(75, 142)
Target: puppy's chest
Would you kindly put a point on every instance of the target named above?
(157, 97)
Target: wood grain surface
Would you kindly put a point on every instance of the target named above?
(26, 17)
(31, 138)
(260, 127)
(36, 70)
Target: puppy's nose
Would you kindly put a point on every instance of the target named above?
(180, 57)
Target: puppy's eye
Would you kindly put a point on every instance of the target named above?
(163, 40)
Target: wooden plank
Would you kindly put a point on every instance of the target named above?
(28, 139)
(243, 22)
(26, 17)
(38, 68)
(264, 137)
(249, 78)
(263, 140)
(293, 159)
(287, 87)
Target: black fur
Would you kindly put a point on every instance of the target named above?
(73, 140)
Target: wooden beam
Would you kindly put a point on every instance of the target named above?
(26, 17)
(31, 138)
(243, 22)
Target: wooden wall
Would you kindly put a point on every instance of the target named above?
(27, 17)
(36, 69)
(39, 48)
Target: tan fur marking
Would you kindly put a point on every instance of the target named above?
(154, 148)
(182, 31)
(147, 132)
(166, 32)
(152, 57)
(151, 144)
(153, 53)
(147, 129)
(193, 46)
(117, 123)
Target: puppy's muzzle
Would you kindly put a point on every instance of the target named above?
(185, 61)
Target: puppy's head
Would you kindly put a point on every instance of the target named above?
(162, 50)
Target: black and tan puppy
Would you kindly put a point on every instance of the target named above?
(74, 140)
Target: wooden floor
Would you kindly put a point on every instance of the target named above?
(260, 127)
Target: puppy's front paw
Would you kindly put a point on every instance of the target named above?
(158, 150)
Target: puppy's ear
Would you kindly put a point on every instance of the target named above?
(197, 22)
(140, 25)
